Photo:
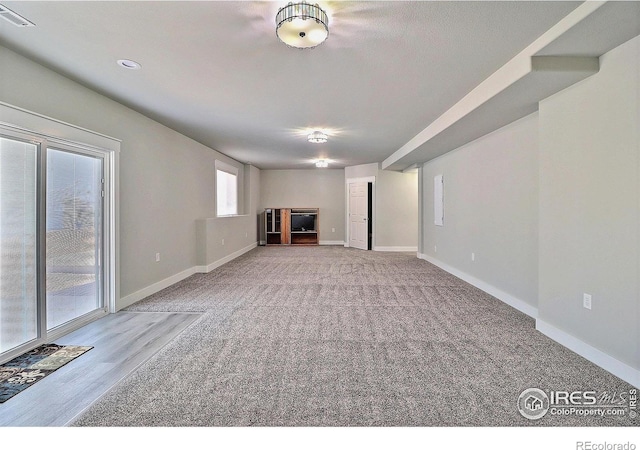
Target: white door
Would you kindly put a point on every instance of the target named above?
(358, 215)
(52, 241)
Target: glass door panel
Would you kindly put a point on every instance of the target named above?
(18, 243)
(73, 236)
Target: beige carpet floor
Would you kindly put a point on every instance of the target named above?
(330, 336)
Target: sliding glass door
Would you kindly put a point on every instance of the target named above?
(74, 236)
(52, 240)
(18, 243)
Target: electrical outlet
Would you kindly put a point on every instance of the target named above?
(473, 257)
(157, 257)
(333, 230)
(223, 242)
(246, 235)
(435, 249)
(586, 300)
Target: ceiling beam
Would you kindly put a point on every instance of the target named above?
(512, 79)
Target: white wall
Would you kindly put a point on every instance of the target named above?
(312, 188)
(589, 207)
(220, 239)
(491, 210)
(166, 179)
(395, 213)
(550, 205)
(361, 171)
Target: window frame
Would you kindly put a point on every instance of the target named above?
(221, 166)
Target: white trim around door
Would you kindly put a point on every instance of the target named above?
(48, 133)
(349, 181)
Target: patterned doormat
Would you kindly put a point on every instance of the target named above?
(31, 367)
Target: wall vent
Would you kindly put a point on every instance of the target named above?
(14, 18)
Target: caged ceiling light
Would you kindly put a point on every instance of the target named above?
(302, 25)
(321, 163)
(317, 137)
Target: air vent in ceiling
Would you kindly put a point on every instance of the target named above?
(14, 18)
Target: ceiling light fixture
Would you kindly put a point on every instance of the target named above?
(321, 163)
(317, 137)
(302, 25)
(128, 64)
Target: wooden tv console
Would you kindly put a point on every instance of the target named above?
(281, 226)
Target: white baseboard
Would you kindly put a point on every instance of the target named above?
(214, 265)
(319, 243)
(509, 299)
(160, 285)
(155, 287)
(331, 242)
(599, 358)
(378, 248)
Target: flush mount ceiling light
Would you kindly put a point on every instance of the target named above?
(321, 163)
(317, 137)
(128, 64)
(302, 25)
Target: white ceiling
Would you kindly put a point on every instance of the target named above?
(215, 70)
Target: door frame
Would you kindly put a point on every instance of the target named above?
(23, 125)
(349, 181)
(105, 257)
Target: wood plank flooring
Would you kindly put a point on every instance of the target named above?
(121, 342)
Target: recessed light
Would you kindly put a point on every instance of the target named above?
(128, 64)
(322, 163)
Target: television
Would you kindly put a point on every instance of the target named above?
(303, 222)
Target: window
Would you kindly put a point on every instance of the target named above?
(226, 189)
